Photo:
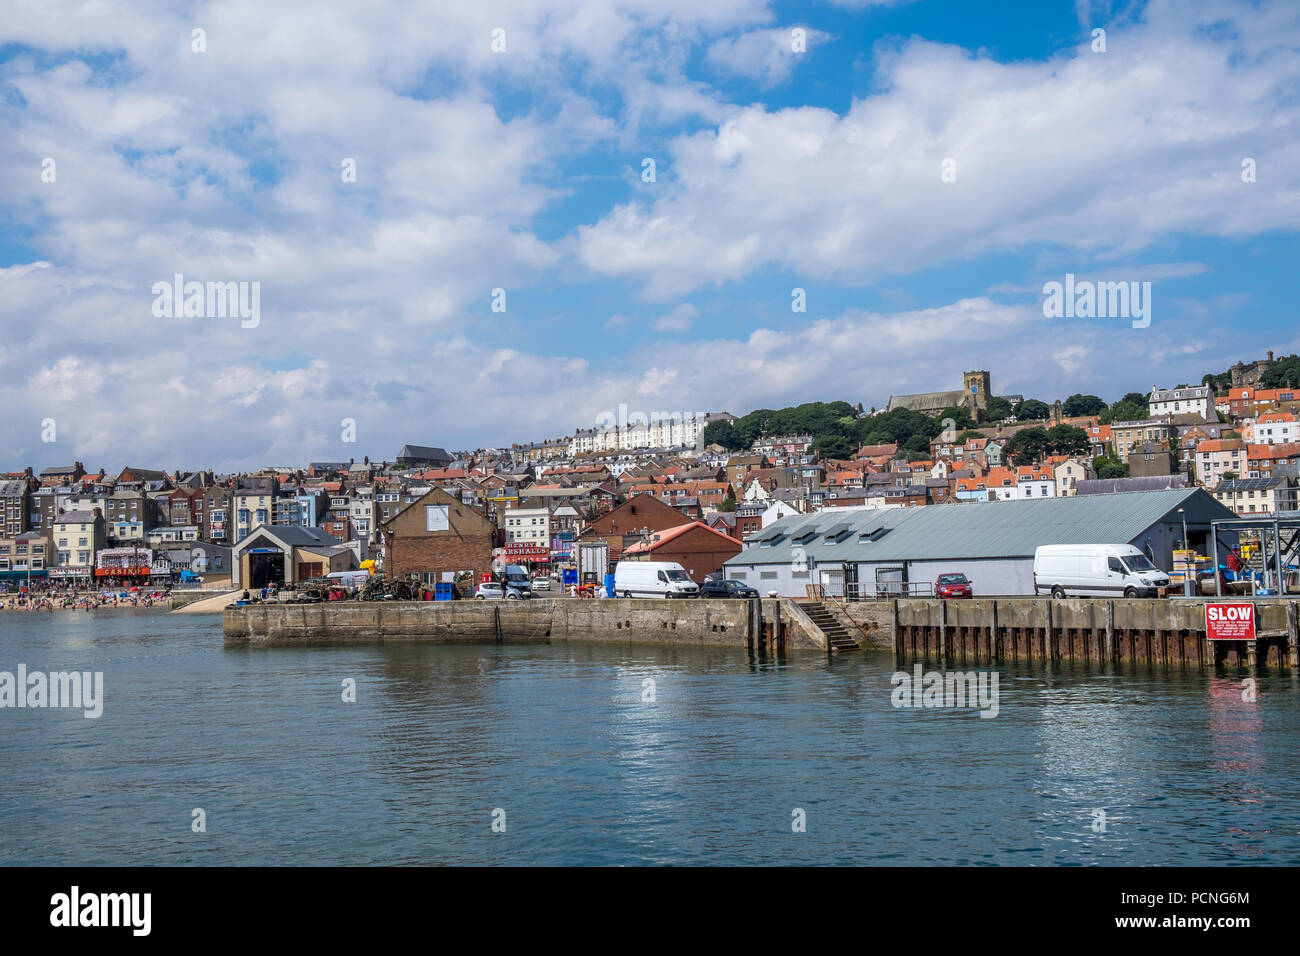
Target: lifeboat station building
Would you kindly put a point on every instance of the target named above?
(272, 555)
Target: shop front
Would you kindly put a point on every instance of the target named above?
(71, 576)
(19, 579)
(535, 557)
(123, 566)
(128, 574)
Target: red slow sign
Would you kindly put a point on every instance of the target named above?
(1230, 622)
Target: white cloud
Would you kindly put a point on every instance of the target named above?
(226, 166)
(678, 320)
(769, 56)
(1100, 153)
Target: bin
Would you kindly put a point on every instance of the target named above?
(442, 591)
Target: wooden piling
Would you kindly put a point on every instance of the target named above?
(1110, 632)
(943, 629)
(1293, 633)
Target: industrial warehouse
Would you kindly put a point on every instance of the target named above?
(903, 550)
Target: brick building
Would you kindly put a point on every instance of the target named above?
(15, 495)
(626, 524)
(435, 537)
(699, 549)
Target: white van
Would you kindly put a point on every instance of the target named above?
(1096, 570)
(653, 579)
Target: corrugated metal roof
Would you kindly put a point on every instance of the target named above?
(1003, 529)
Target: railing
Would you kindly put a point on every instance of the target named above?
(885, 590)
(878, 591)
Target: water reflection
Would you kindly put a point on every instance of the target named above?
(589, 769)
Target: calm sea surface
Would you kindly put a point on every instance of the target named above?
(587, 772)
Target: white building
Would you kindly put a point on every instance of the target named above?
(528, 526)
(361, 509)
(583, 442)
(1272, 428)
(1181, 401)
(650, 430)
(778, 510)
(1026, 483)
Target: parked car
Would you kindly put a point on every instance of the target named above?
(496, 591)
(1096, 570)
(653, 579)
(727, 589)
(951, 586)
(541, 583)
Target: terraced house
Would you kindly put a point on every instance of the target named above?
(1214, 459)
(1254, 495)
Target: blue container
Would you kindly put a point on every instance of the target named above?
(442, 591)
(609, 584)
(570, 576)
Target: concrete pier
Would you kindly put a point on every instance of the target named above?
(760, 626)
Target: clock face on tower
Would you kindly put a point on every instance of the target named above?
(974, 389)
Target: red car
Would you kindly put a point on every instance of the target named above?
(952, 586)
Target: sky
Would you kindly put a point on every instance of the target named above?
(472, 224)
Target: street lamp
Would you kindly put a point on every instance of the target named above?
(1187, 580)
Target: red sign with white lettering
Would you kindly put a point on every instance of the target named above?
(1230, 622)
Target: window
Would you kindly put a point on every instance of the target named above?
(436, 518)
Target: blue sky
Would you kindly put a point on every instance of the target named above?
(521, 169)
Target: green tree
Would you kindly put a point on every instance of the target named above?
(1078, 405)
(1284, 373)
(835, 446)
(727, 504)
(750, 427)
(960, 418)
(724, 434)
(967, 435)
(1124, 411)
(895, 426)
(918, 445)
(999, 409)
(1108, 466)
(1220, 382)
(1026, 446)
(1032, 410)
(1067, 440)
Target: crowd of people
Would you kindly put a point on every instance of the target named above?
(55, 598)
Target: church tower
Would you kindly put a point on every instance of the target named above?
(978, 391)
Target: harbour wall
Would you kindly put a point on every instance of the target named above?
(1170, 632)
(767, 625)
